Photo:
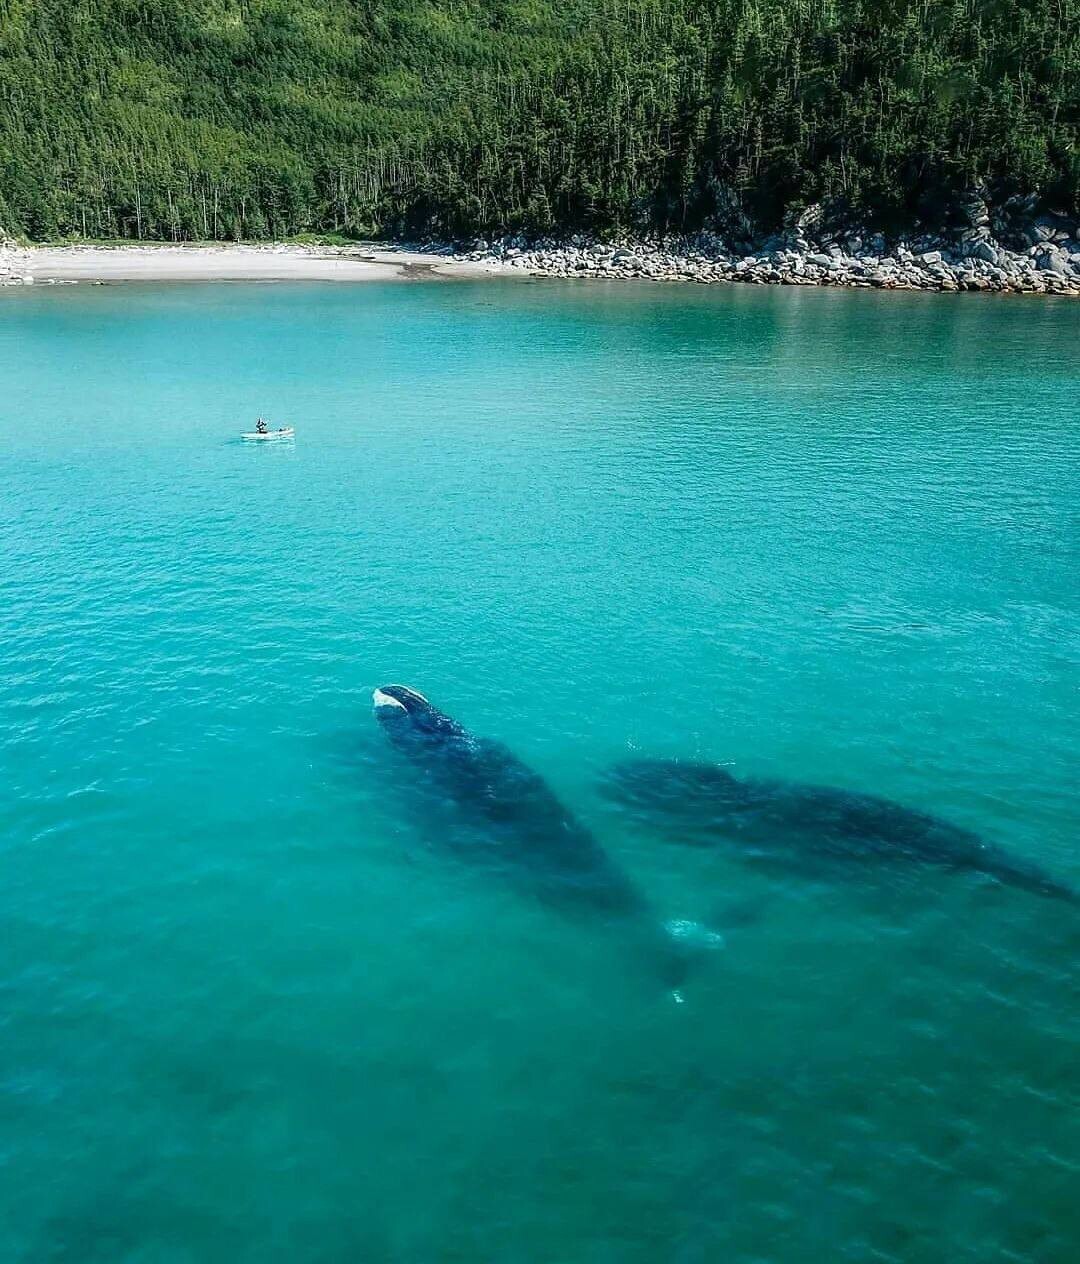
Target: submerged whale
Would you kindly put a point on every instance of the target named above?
(792, 823)
(510, 822)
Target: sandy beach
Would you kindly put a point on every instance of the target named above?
(44, 264)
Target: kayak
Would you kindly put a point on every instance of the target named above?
(284, 432)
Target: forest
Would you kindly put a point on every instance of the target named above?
(254, 119)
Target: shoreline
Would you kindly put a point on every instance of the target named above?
(70, 264)
(928, 265)
(1041, 257)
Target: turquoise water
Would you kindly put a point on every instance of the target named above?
(252, 1012)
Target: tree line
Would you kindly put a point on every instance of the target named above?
(227, 119)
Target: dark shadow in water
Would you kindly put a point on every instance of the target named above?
(476, 802)
(817, 831)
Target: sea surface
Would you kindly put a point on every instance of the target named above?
(254, 1012)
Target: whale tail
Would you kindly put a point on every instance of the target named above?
(1012, 872)
(695, 936)
(688, 944)
(683, 947)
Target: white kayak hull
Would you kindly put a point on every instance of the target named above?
(286, 432)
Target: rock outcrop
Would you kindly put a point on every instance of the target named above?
(1007, 250)
(13, 269)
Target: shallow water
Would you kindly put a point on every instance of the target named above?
(252, 1011)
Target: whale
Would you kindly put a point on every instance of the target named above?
(496, 813)
(792, 824)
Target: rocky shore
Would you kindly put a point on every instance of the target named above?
(12, 262)
(915, 266)
(1009, 248)
(1006, 250)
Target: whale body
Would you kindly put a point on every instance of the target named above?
(787, 822)
(505, 818)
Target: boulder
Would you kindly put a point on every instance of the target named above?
(985, 251)
(1052, 260)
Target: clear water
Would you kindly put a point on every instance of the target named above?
(252, 1014)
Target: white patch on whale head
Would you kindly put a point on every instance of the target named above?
(415, 695)
(381, 699)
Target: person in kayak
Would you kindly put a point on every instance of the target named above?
(261, 427)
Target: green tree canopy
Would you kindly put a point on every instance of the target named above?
(182, 119)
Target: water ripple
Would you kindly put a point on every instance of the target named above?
(821, 537)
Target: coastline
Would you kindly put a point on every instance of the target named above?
(1047, 267)
(1024, 256)
(105, 264)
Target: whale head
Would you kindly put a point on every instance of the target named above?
(404, 712)
(673, 789)
(389, 699)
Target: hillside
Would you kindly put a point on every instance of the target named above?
(183, 119)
